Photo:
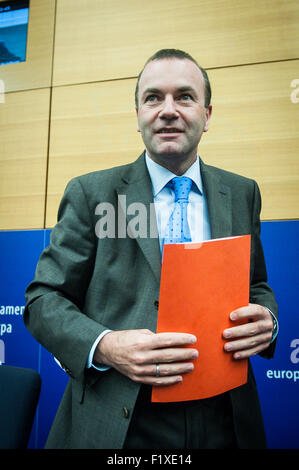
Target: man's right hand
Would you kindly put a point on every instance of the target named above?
(136, 353)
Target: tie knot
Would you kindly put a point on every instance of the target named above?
(181, 186)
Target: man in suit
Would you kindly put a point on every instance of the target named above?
(94, 300)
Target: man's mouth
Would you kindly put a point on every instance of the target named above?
(169, 130)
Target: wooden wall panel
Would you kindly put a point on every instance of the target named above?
(93, 127)
(36, 71)
(93, 123)
(24, 119)
(105, 40)
(254, 132)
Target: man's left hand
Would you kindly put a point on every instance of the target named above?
(251, 337)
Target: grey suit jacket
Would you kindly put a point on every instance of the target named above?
(84, 285)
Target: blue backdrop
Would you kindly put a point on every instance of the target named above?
(276, 378)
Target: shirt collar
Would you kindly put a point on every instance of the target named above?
(160, 176)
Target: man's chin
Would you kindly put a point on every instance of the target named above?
(168, 150)
(168, 154)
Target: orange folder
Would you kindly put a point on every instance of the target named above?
(201, 283)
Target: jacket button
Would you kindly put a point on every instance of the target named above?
(156, 304)
(126, 412)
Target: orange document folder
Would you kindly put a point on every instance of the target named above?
(201, 284)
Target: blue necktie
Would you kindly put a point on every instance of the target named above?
(178, 229)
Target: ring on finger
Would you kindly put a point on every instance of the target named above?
(157, 370)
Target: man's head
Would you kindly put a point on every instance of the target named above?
(173, 107)
(176, 54)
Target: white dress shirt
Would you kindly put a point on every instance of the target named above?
(163, 194)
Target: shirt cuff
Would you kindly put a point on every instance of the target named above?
(90, 356)
(275, 326)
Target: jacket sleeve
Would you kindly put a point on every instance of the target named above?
(55, 298)
(260, 292)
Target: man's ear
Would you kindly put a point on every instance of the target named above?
(208, 117)
(138, 128)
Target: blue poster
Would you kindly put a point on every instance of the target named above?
(19, 254)
(277, 379)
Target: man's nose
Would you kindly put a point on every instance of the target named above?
(169, 110)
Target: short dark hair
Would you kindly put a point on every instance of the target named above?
(176, 54)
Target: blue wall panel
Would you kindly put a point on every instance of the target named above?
(19, 253)
(277, 379)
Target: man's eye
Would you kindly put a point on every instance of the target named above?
(151, 99)
(185, 97)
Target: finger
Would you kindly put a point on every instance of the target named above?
(169, 355)
(159, 381)
(148, 374)
(251, 311)
(163, 340)
(246, 353)
(164, 370)
(248, 329)
(248, 343)
(161, 356)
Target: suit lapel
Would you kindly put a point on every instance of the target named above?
(219, 203)
(136, 187)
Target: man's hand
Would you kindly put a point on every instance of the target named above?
(135, 353)
(252, 337)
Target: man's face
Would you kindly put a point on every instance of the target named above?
(171, 114)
